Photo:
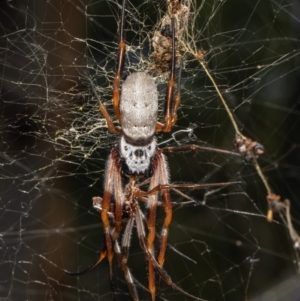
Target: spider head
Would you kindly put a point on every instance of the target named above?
(137, 158)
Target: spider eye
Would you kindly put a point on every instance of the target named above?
(139, 153)
(126, 148)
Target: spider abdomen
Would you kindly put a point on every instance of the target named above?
(138, 107)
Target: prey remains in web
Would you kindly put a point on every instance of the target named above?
(138, 160)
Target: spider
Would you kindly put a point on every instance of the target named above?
(138, 159)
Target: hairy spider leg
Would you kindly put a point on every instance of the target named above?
(119, 198)
(123, 253)
(121, 55)
(160, 182)
(159, 164)
(195, 147)
(113, 185)
(164, 179)
(164, 275)
(120, 253)
(124, 257)
(152, 205)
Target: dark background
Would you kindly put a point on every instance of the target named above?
(52, 164)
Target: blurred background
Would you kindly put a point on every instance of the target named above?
(54, 145)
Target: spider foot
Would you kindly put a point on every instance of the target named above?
(102, 255)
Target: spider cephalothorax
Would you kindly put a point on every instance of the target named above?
(136, 158)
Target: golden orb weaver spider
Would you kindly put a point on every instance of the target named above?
(140, 161)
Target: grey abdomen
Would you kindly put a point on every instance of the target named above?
(138, 106)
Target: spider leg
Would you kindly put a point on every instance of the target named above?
(127, 272)
(170, 88)
(160, 270)
(164, 178)
(122, 254)
(123, 259)
(97, 203)
(152, 205)
(119, 201)
(102, 108)
(179, 204)
(171, 104)
(112, 182)
(175, 204)
(112, 172)
(159, 237)
(177, 97)
(191, 186)
(102, 255)
(121, 55)
(163, 174)
(195, 147)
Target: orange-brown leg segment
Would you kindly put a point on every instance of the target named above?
(121, 55)
(172, 104)
(119, 201)
(123, 259)
(112, 185)
(164, 275)
(110, 125)
(152, 205)
(109, 182)
(104, 112)
(101, 256)
(150, 241)
(120, 253)
(167, 206)
(170, 88)
(177, 98)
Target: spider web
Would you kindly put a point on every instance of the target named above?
(54, 145)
